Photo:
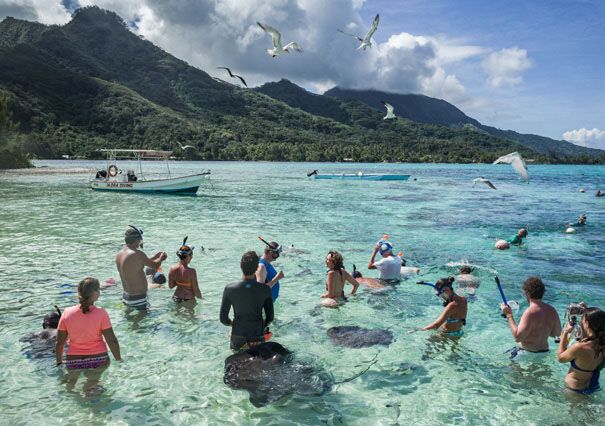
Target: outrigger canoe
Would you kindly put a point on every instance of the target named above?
(358, 176)
(114, 179)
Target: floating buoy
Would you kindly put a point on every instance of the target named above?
(502, 244)
(570, 230)
(582, 190)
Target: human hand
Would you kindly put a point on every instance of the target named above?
(280, 275)
(567, 329)
(506, 310)
(376, 247)
(164, 256)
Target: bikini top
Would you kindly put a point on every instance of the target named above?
(450, 320)
(575, 366)
(181, 284)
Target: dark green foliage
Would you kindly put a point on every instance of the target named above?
(93, 84)
(11, 153)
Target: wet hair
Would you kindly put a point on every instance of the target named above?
(337, 259)
(86, 288)
(444, 283)
(523, 231)
(466, 269)
(534, 288)
(595, 318)
(273, 245)
(52, 320)
(249, 263)
(131, 235)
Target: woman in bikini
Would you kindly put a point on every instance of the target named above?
(183, 277)
(335, 283)
(453, 317)
(586, 355)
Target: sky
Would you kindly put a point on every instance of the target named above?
(531, 66)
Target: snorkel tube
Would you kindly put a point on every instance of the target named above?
(515, 305)
(428, 284)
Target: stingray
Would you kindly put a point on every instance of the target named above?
(353, 336)
(270, 372)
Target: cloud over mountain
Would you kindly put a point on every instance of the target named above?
(594, 138)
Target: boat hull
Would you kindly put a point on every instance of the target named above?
(182, 184)
(362, 176)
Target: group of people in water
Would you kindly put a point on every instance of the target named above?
(89, 331)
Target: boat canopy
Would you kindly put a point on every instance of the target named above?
(137, 153)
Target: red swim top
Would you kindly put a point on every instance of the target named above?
(85, 330)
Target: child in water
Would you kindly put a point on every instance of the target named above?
(183, 277)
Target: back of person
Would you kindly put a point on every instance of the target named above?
(389, 268)
(181, 275)
(85, 330)
(542, 321)
(247, 298)
(130, 266)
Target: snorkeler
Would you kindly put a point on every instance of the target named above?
(266, 273)
(389, 267)
(183, 277)
(249, 298)
(453, 317)
(539, 322)
(335, 282)
(86, 326)
(581, 220)
(130, 262)
(586, 355)
(516, 240)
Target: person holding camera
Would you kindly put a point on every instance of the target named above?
(539, 322)
(585, 357)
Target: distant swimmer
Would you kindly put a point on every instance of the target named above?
(249, 299)
(581, 220)
(516, 240)
(88, 329)
(130, 262)
(598, 193)
(183, 277)
(453, 317)
(466, 280)
(539, 322)
(585, 357)
(266, 273)
(336, 279)
(389, 267)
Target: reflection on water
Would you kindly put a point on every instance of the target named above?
(55, 231)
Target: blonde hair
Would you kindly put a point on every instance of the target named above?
(86, 288)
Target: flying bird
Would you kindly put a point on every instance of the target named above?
(233, 75)
(276, 38)
(483, 180)
(367, 40)
(515, 160)
(390, 110)
(184, 147)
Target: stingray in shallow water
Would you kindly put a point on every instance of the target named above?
(270, 372)
(353, 336)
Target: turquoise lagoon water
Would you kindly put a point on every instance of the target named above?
(55, 231)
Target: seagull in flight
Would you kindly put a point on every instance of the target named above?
(366, 41)
(276, 38)
(390, 110)
(184, 147)
(483, 180)
(515, 160)
(233, 75)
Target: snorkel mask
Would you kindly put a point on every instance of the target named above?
(573, 317)
(276, 250)
(438, 292)
(185, 249)
(139, 232)
(384, 246)
(52, 320)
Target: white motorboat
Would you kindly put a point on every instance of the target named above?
(114, 179)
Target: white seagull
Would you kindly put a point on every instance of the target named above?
(185, 146)
(515, 160)
(367, 40)
(483, 180)
(390, 109)
(276, 38)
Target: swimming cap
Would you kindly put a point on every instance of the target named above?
(158, 278)
(384, 246)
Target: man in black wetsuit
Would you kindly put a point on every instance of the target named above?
(248, 299)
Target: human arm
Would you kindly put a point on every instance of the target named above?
(371, 264)
(565, 354)
(171, 280)
(351, 281)
(225, 308)
(275, 279)
(519, 331)
(195, 286)
(60, 346)
(439, 321)
(329, 285)
(268, 308)
(112, 342)
(261, 273)
(556, 328)
(155, 261)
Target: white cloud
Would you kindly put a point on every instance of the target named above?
(594, 138)
(505, 67)
(44, 11)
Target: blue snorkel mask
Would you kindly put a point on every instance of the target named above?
(185, 249)
(438, 292)
(384, 246)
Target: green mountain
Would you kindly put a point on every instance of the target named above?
(93, 84)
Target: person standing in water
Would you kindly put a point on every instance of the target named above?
(131, 262)
(453, 317)
(389, 267)
(183, 277)
(336, 279)
(539, 322)
(586, 355)
(249, 299)
(266, 273)
(86, 326)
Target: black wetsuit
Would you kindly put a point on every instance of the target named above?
(248, 299)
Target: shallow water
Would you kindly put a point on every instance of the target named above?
(55, 231)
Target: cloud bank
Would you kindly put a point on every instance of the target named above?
(594, 138)
(505, 67)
